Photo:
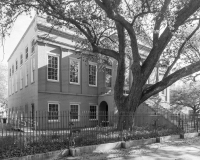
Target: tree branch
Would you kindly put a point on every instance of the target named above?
(169, 80)
(180, 50)
(166, 36)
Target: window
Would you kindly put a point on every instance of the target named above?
(33, 70)
(26, 75)
(93, 112)
(53, 111)
(16, 65)
(74, 71)
(92, 74)
(12, 69)
(16, 82)
(26, 53)
(74, 112)
(33, 46)
(108, 77)
(10, 72)
(21, 79)
(21, 59)
(53, 68)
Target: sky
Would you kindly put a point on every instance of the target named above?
(16, 33)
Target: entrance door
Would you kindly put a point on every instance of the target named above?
(103, 113)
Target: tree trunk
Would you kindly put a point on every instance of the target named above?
(125, 121)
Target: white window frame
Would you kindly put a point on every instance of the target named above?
(21, 59)
(92, 64)
(33, 46)
(58, 73)
(26, 59)
(163, 92)
(58, 103)
(21, 78)
(13, 69)
(16, 65)
(78, 104)
(77, 60)
(32, 70)
(96, 111)
(111, 76)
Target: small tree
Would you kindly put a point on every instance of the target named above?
(188, 96)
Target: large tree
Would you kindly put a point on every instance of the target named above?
(115, 28)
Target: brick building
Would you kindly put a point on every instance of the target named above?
(45, 75)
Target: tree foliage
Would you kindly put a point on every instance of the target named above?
(188, 96)
(3, 84)
(117, 28)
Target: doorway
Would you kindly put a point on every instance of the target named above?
(103, 114)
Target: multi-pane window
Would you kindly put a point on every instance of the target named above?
(108, 77)
(53, 68)
(33, 46)
(33, 70)
(53, 111)
(93, 112)
(16, 65)
(26, 75)
(92, 75)
(74, 71)
(26, 53)
(74, 112)
(21, 79)
(21, 59)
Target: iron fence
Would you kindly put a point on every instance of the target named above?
(30, 133)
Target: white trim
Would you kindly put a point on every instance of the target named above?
(78, 104)
(94, 64)
(58, 103)
(97, 109)
(58, 73)
(77, 60)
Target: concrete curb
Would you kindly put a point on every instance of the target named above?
(102, 147)
(167, 138)
(95, 148)
(189, 135)
(132, 143)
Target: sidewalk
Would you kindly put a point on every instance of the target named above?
(183, 149)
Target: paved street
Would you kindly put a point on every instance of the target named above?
(188, 149)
